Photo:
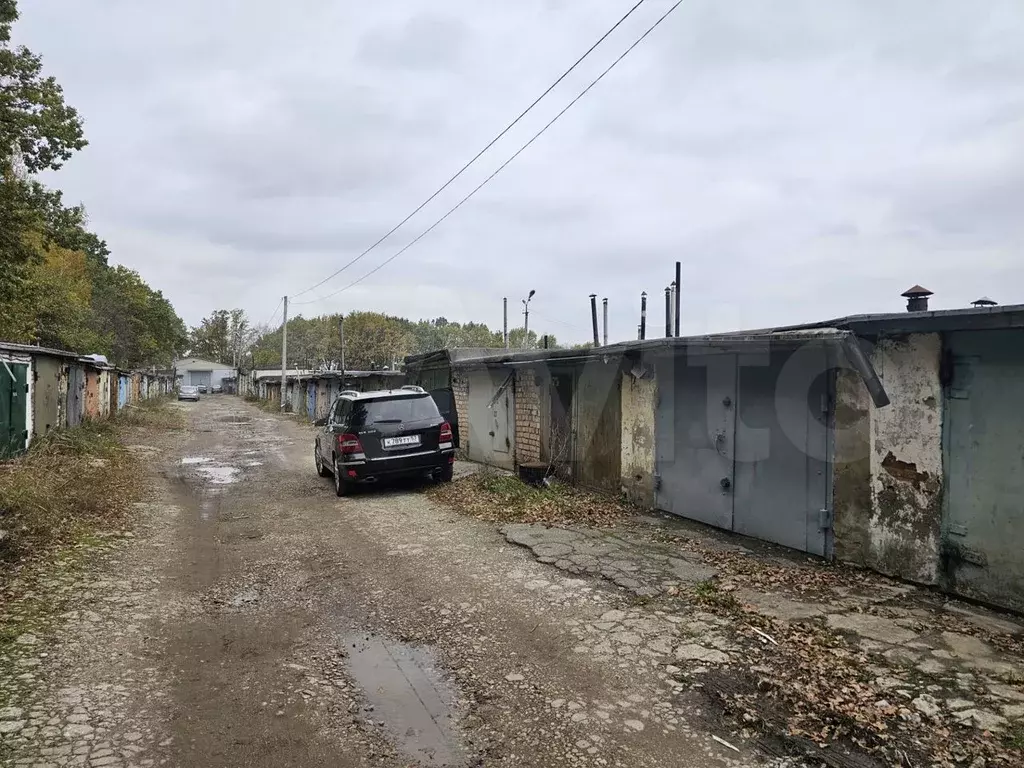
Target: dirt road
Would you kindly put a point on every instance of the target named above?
(255, 619)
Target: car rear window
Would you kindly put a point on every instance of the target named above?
(395, 409)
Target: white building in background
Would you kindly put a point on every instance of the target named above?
(196, 372)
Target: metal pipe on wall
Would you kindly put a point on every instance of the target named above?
(668, 312)
(593, 317)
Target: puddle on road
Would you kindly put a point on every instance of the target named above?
(254, 463)
(195, 460)
(409, 695)
(220, 475)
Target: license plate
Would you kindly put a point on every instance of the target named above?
(397, 442)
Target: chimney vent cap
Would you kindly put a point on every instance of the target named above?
(915, 292)
(984, 301)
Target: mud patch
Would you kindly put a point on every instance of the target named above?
(406, 692)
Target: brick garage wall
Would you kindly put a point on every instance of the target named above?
(527, 405)
(460, 390)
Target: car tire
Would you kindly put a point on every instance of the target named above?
(321, 470)
(446, 474)
(341, 486)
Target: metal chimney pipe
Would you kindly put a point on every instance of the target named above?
(679, 289)
(672, 309)
(504, 327)
(593, 316)
(668, 313)
(643, 315)
(604, 327)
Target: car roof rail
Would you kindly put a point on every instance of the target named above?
(413, 388)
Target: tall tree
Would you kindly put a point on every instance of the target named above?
(140, 326)
(66, 226)
(225, 336)
(38, 131)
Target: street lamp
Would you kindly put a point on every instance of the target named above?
(526, 322)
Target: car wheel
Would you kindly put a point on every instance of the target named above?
(341, 487)
(321, 470)
(446, 473)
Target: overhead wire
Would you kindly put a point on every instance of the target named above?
(559, 322)
(276, 310)
(504, 165)
(477, 156)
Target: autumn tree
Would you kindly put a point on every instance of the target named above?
(38, 132)
(140, 327)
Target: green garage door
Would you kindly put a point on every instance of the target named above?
(983, 530)
(13, 408)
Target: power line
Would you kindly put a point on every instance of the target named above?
(502, 167)
(477, 156)
(276, 310)
(559, 322)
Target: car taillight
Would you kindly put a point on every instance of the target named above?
(349, 443)
(446, 433)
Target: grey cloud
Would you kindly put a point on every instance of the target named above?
(239, 151)
(425, 41)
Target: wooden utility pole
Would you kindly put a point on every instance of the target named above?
(284, 354)
(341, 333)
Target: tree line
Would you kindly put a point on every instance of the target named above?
(57, 287)
(373, 340)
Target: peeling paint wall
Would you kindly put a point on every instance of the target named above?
(47, 398)
(906, 460)
(851, 473)
(639, 397)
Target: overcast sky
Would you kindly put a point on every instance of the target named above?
(802, 159)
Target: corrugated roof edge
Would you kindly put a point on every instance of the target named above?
(1004, 316)
(34, 350)
(31, 349)
(456, 354)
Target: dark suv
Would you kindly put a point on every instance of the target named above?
(372, 436)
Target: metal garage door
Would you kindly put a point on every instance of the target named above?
(742, 444)
(491, 410)
(76, 395)
(13, 408)
(983, 534)
(201, 379)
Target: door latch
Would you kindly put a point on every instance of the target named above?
(825, 518)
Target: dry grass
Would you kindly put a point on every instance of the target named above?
(501, 497)
(73, 483)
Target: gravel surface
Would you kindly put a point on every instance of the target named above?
(255, 619)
